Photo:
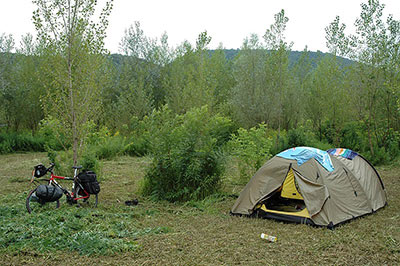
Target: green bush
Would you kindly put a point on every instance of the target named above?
(51, 130)
(90, 161)
(296, 137)
(21, 142)
(252, 148)
(143, 132)
(353, 136)
(63, 161)
(386, 148)
(187, 164)
(109, 148)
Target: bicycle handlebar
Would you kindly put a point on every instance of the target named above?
(50, 169)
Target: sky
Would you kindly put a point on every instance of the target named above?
(226, 21)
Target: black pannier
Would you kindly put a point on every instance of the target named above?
(48, 193)
(40, 170)
(88, 179)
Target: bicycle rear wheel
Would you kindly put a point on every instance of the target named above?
(33, 203)
(92, 203)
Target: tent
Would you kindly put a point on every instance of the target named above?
(311, 186)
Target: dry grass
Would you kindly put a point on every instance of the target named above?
(203, 233)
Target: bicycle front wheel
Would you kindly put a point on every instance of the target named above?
(33, 203)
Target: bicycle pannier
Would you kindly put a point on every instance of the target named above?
(48, 193)
(89, 182)
(40, 170)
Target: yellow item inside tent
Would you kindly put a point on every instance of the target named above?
(289, 190)
(302, 213)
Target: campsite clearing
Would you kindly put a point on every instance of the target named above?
(195, 233)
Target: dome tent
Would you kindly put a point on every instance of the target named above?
(311, 186)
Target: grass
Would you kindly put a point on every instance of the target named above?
(195, 233)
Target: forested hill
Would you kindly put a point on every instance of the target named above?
(230, 54)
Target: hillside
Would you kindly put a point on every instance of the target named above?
(230, 54)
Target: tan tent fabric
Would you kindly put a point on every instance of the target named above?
(315, 194)
(351, 190)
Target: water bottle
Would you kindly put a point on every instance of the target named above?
(268, 237)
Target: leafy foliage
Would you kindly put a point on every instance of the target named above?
(252, 148)
(13, 142)
(305, 98)
(88, 232)
(186, 164)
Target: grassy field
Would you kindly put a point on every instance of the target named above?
(195, 233)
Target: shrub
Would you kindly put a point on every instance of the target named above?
(353, 136)
(21, 142)
(143, 132)
(252, 148)
(63, 162)
(296, 137)
(52, 131)
(90, 161)
(186, 163)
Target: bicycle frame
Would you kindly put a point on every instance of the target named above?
(78, 191)
(69, 194)
(75, 183)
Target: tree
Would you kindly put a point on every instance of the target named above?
(28, 90)
(188, 83)
(251, 99)
(74, 63)
(326, 97)
(278, 76)
(136, 81)
(222, 77)
(6, 70)
(374, 47)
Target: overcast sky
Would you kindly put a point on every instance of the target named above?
(226, 21)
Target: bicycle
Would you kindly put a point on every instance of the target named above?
(78, 192)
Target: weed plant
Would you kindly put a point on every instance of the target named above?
(186, 164)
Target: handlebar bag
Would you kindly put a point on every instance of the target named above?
(48, 193)
(40, 170)
(89, 181)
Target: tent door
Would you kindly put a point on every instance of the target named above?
(289, 188)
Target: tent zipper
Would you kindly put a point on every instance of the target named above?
(355, 192)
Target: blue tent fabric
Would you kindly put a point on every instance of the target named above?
(303, 154)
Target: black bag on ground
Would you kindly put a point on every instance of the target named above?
(88, 179)
(48, 193)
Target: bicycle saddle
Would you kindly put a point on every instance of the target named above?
(77, 167)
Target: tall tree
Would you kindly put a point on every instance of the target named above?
(251, 99)
(189, 83)
(74, 65)
(374, 47)
(277, 67)
(7, 68)
(28, 89)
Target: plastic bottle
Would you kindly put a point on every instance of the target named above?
(268, 237)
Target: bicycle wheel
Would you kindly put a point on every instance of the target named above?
(33, 203)
(92, 203)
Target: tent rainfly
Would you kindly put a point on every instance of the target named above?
(311, 186)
